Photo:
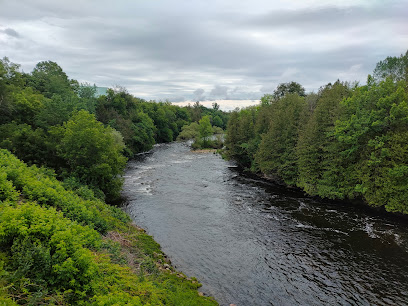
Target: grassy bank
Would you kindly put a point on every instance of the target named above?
(64, 247)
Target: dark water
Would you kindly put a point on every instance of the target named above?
(251, 243)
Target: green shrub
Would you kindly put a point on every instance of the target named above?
(37, 185)
(48, 250)
(7, 190)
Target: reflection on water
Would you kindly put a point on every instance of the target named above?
(251, 243)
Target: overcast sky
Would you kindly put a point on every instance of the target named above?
(202, 50)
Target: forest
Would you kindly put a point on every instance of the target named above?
(347, 141)
(63, 150)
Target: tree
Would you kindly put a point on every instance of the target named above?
(319, 169)
(373, 134)
(240, 136)
(277, 151)
(57, 110)
(217, 121)
(49, 79)
(196, 112)
(93, 153)
(267, 99)
(25, 142)
(205, 129)
(393, 67)
(191, 131)
(10, 81)
(143, 133)
(288, 88)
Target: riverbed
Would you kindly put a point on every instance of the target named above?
(252, 243)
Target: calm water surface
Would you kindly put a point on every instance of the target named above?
(251, 243)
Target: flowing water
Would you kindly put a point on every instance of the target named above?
(252, 243)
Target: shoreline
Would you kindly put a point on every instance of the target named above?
(204, 151)
(276, 181)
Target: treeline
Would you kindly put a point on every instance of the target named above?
(50, 120)
(344, 142)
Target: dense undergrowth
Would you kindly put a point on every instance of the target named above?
(61, 247)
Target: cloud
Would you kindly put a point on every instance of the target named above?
(11, 32)
(204, 49)
(219, 91)
(199, 94)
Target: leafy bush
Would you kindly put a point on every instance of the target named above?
(35, 184)
(48, 250)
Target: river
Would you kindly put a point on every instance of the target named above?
(252, 243)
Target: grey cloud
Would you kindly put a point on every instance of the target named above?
(219, 91)
(11, 32)
(199, 94)
(322, 19)
(157, 49)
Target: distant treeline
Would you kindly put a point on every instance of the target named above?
(50, 120)
(344, 142)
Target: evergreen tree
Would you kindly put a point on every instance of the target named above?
(277, 154)
(317, 146)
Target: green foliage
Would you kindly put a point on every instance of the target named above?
(197, 111)
(48, 78)
(48, 249)
(393, 67)
(340, 143)
(56, 110)
(205, 129)
(373, 133)
(92, 152)
(7, 190)
(141, 123)
(318, 160)
(276, 153)
(240, 136)
(37, 185)
(188, 132)
(217, 121)
(143, 130)
(26, 105)
(16, 102)
(287, 88)
(25, 142)
(195, 131)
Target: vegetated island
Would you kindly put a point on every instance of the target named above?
(63, 149)
(344, 142)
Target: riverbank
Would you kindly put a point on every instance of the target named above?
(204, 151)
(61, 246)
(274, 180)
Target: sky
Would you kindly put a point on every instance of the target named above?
(189, 50)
